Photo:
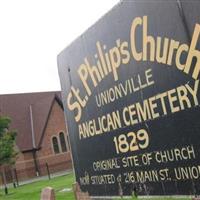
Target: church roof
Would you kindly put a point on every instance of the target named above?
(21, 108)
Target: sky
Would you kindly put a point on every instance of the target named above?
(34, 32)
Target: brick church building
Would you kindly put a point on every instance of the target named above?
(42, 138)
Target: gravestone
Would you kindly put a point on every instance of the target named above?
(48, 194)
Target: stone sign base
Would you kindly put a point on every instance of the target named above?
(79, 195)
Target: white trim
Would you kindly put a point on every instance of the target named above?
(32, 126)
(42, 157)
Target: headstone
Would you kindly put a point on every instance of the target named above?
(48, 194)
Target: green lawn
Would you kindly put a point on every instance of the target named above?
(32, 191)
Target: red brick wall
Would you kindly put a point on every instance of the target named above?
(57, 162)
(55, 125)
(25, 166)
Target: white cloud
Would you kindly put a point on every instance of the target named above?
(33, 32)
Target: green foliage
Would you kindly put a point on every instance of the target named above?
(4, 125)
(7, 142)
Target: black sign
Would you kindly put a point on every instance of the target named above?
(130, 87)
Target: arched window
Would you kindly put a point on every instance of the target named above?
(55, 145)
(62, 142)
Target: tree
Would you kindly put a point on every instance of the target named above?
(7, 146)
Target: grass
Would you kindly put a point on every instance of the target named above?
(32, 191)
